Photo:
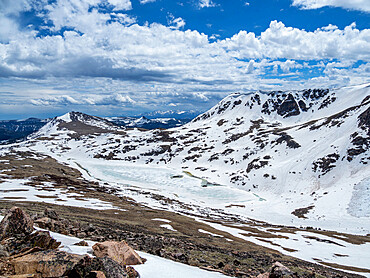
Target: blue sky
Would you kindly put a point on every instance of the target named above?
(126, 57)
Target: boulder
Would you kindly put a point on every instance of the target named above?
(279, 270)
(131, 272)
(81, 243)
(97, 274)
(16, 223)
(50, 263)
(121, 252)
(38, 241)
(43, 240)
(97, 267)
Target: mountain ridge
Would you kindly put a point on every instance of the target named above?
(292, 155)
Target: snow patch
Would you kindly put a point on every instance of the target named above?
(359, 205)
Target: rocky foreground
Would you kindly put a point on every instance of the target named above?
(29, 252)
(26, 252)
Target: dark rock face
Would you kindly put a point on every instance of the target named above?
(16, 223)
(289, 107)
(87, 266)
(325, 164)
(364, 121)
(361, 143)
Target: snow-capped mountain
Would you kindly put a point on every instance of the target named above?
(143, 122)
(181, 114)
(296, 149)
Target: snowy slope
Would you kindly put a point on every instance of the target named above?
(295, 150)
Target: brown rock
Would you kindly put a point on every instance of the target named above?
(45, 223)
(121, 252)
(50, 263)
(97, 274)
(81, 243)
(35, 275)
(16, 223)
(264, 275)
(43, 240)
(131, 272)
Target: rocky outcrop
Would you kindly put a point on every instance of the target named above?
(97, 267)
(38, 241)
(50, 263)
(16, 223)
(121, 252)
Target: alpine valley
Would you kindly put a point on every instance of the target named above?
(288, 172)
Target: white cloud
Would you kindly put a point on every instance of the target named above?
(120, 4)
(114, 100)
(175, 23)
(59, 100)
(279, 41)
(146, 1)
(206, 3)
(106, 59)
(361, 5)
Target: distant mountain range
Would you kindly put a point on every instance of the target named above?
(15, 130)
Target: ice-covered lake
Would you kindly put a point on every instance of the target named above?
(168, 182)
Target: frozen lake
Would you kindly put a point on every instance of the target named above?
(168, 182)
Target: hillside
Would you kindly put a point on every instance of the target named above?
(310, 146)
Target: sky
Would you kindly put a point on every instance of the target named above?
(128, 57)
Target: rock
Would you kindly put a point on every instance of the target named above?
(16, 223)
(45, 223)
(36, 275)
(279, 270)
(97, 274)
(38, 241)
(81, 243)
(3, 251)
(50, 263)
(43, 240)
(264, 275)
(51, 214)
(91, 267)
(121, 252)
(131, 272)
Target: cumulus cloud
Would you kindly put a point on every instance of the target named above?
(279, 41)
(361, 5)
(99, 57)
(66, 100)
(59, 100)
